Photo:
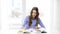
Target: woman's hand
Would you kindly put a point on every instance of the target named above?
(37, 27)
(23, 28)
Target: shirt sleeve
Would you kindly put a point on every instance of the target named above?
(25, 21)
(40, 23)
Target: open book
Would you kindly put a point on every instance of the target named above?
(31, 30)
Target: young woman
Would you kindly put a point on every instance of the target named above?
(33, 20)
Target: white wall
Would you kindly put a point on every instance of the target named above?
(56, 20)
(7, 21)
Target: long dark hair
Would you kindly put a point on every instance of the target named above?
(36, 17)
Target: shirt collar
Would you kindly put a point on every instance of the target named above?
(33, 18)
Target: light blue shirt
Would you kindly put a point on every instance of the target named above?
(33, 25)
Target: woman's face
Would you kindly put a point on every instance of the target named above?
(34, 13)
